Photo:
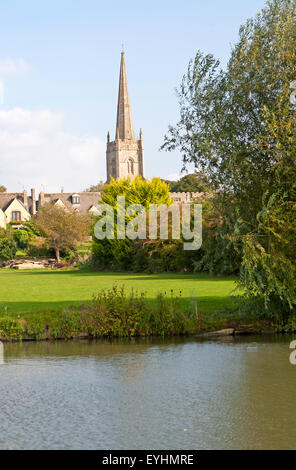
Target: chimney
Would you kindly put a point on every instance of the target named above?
(33, 197)
(25, 199)
(41, 199)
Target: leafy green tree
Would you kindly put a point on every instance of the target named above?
(2, 189)
(63, 228)
(117, 253)
(194, 182)
(137, 191)
(96, 187)
(239, 127)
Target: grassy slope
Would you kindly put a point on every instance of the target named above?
(36, 291)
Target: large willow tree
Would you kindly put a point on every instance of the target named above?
(238, 125)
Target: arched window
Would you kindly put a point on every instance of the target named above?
(130, 166)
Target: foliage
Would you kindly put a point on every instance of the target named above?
(116, 312)
(194, 182)
(166, 255)
(81, 256)
(137, 191)
(11, 329)
(21, 237)
(220, 253)
(30, 227)
(63, 228)
(38, 248)
(6, 233)
(117, 253)
(238, 126)
(2, 189)
(8, 249)
(112, 313)
(96, 188)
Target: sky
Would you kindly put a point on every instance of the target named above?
(59, 72)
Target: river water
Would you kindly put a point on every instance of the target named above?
(156, 394)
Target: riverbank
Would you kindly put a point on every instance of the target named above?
(15, 331)
(49, 305)
(116, 313)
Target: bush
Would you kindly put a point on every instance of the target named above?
(8, 249)
(21, 237)
(38, 248)
(112, 313)
(11, 329)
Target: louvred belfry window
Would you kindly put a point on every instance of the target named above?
(130, 166)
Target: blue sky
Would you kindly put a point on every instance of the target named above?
(59, 68)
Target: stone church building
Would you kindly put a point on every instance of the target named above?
(124, 158)
(125, 155)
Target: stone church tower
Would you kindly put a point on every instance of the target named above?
(125, 155)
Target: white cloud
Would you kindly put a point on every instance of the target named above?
(13, 67)
(36, 152)
(173, 176)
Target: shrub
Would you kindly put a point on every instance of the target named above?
(38, 247)
(11, 329)
(21, 237)
(8, 249)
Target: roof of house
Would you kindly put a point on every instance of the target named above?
(7, 198)
(87, 199)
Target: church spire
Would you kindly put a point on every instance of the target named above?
(124, 126)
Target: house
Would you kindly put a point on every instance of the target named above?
(16, 208)
(84, 202)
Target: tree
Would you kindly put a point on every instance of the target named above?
(63, 228)
(239, 127)
(96, 188)
(117, 252)
(2, 189)
(137, 191)
(194, 182)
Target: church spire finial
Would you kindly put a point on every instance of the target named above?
(124, 126)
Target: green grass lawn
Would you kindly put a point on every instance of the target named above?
(33, 291)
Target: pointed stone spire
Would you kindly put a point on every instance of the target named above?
(124, 126)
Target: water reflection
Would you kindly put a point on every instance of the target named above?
(161, 394)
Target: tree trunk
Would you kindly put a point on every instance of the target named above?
(57, 252)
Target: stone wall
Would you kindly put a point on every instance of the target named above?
(186, 197)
